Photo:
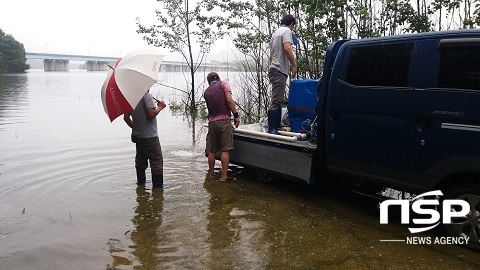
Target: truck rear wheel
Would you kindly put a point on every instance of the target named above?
(468, 226)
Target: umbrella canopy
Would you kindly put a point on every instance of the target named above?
(129, 80)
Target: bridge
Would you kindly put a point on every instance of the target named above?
(60, 62)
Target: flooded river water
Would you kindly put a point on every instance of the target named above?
(68, 198)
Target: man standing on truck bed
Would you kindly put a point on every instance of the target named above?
(281, 56)
(220, 103)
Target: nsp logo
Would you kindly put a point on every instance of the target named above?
(461, 209)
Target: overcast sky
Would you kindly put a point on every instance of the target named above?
(87, 27)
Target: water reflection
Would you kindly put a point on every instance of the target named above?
(146, 234)
(11, 85)
(73, 174)
(236, 225)
(147, 221)
(222, 235)
(13, 92)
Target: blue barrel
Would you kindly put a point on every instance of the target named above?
(302, 101)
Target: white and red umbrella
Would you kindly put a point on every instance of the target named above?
(129, 80)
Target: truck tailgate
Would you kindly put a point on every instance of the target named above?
(289, 159)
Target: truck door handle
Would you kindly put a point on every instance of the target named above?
(425, 122)
(333, 113)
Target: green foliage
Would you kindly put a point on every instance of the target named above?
(251, 23)
(176, 108)
(180, 109)
(12, 55)
(247, 117)
(182, 28)
(476, 13)
(202, 111)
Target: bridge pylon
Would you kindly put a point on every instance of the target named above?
(56, 65)
(97, 66)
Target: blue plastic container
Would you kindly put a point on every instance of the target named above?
(301, 104)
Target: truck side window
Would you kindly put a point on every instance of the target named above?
(459, 65)
(380, 65)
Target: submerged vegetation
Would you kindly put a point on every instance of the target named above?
(178, 108)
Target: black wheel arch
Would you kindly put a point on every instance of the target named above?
(459, 179)
(464, 186)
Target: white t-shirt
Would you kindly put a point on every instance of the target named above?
(143, 127)
(279, 57)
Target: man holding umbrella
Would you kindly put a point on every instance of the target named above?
(143, 121)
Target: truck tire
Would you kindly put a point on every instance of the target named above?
(470, 225)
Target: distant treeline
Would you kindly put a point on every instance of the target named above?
(12, 55)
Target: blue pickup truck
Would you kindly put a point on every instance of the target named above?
(399, 111)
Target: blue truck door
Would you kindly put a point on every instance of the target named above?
(449, 132)
(368, 110)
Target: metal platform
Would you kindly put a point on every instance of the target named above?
(292, 159)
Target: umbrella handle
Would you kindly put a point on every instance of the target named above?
(158, 100)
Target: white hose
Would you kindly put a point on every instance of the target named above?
(285, 135)
(300, 136)
(266, 135)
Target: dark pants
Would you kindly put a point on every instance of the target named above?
(278, 80)
(149, 149)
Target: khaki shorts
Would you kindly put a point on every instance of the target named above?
(220, 136)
